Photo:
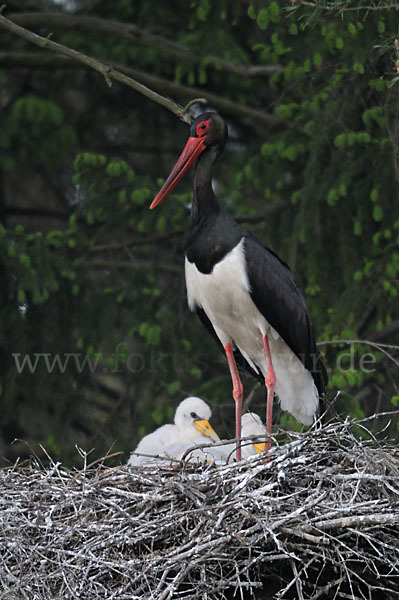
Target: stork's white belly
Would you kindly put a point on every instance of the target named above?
(224, 295)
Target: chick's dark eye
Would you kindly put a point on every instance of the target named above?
(194, 415)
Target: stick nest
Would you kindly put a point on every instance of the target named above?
(319, 519)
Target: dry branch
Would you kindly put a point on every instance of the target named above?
(108, 72)
(346, 5)
(43, 60)
(383, 348)
(138, 35)
(319, 519)
(151, 86)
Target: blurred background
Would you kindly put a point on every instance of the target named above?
(97, 345)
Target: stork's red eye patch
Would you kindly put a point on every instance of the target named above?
(202, 127)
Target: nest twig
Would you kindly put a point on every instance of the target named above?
(318, 519)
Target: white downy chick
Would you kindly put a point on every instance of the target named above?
(191, 421)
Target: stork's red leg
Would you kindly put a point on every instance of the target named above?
(238, 393)
(270, 382)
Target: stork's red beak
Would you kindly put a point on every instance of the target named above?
(194, 147)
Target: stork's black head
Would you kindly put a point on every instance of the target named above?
(211, 127)
(208, 131)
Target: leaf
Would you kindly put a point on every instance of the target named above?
(174, 387)
(317, 59)
(196, 372)
(340, 140)
(25, 261)
(374, 195)
(262, 19)
(274, 11)
(357, 228)
(332, 197)
(291, 153)
(358, 276)
(377, 213)
(251, 12)
(352, 29)
(21, 296)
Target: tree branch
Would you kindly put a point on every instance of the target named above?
(378, 346)
(156, 239)
(112, 265)
(271, 208)
(140, 36)
(335, 6)
(385, 332)
(42, 60)
(41, 213)
(105, 70)
(353, 521)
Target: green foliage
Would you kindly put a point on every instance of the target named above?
(88, 270)
(39, 129)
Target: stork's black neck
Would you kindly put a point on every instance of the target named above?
(205, 204)
(213, 232)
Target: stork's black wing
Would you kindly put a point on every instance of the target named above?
(276, 295)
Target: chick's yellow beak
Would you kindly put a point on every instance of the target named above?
(260, 448)
(205, 428)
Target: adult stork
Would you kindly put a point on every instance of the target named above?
(245, 295)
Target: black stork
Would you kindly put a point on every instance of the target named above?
(245, 295)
